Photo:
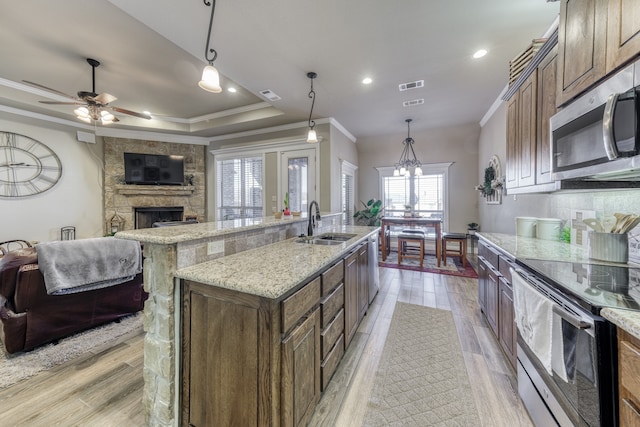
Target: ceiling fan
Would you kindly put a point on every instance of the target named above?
(93, 107)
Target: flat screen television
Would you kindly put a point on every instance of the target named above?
(153, 169)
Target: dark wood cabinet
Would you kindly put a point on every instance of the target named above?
(218, 389)
(495, 297)
(582, 41)
(623, 32)
(513, 157)
(628, 378)
(546, 104)
(529, 110)
(300, 385)
(508, 331)
(526, 147)
(254, 361)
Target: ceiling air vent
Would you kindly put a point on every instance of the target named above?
(411, 85)
(413, 102)
(270, 95)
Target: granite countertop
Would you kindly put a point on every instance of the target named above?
(271, 271)
(184, 233)
(629, 320)
(530, 247)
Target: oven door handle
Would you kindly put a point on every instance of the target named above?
(607, 127)
(573, 320)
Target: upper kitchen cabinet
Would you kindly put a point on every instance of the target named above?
(521, 135)
(528, 166)
(623, 32)
(582, 39)
(546, 104)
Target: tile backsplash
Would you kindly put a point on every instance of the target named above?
(604, 203)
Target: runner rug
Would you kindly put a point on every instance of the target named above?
(422, 379)
(20, 366)
(453, 268)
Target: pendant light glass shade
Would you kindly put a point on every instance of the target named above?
(311, 136)
(210, 80)
(210, 77)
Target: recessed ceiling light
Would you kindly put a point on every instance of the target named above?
(367, 80)
(480, 54)
(232, 90)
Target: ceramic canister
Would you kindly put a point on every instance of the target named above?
(549, 228)
(526, 226)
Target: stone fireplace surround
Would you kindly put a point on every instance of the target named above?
(123, 199)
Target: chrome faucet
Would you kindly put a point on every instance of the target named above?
(313, 218)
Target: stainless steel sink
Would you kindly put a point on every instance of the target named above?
(317, 241)
(339, 237)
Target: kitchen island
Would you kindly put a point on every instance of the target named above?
(266, 273)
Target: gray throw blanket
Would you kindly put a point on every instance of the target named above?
(71, 266)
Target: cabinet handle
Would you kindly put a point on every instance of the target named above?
(632, 406)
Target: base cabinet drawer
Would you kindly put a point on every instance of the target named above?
(332, 277)
(331, 333)
(300, 303)
(331, 305)
(331, 362)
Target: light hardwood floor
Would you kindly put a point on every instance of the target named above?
(104, 388)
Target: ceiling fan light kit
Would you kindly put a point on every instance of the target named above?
(311, 136)
(210, 76)
(93, 107)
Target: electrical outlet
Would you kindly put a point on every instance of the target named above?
(215, 247)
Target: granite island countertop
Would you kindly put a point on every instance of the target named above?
(185, 233)
(271, 271)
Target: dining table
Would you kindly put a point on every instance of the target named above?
(411, 222)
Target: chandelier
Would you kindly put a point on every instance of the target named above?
(408, 157)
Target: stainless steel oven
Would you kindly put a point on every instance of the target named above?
(566, 370)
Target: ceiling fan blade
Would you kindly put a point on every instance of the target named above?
(48, 89)
(62, 103)
(131, 113)
(104, 98)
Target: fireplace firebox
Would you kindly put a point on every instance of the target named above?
(146, 216)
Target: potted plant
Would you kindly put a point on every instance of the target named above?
(472, 227)
(286, 211)
(370, 214)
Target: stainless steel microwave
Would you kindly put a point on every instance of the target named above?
(597, 136)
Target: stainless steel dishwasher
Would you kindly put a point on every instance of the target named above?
(374, 277)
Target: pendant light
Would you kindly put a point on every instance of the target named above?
(210, 77)
(311, 136)
(408, 157)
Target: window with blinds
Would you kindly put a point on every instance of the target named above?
(424, 194)
(347, 199)
(240, 188)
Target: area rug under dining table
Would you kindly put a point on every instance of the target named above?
(421, 379)
(429, 265)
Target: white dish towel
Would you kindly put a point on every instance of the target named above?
(534, 317)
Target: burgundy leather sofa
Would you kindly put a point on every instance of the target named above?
(30, 317)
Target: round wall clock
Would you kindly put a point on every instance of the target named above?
(27, 166)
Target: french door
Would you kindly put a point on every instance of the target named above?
(298, 178)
